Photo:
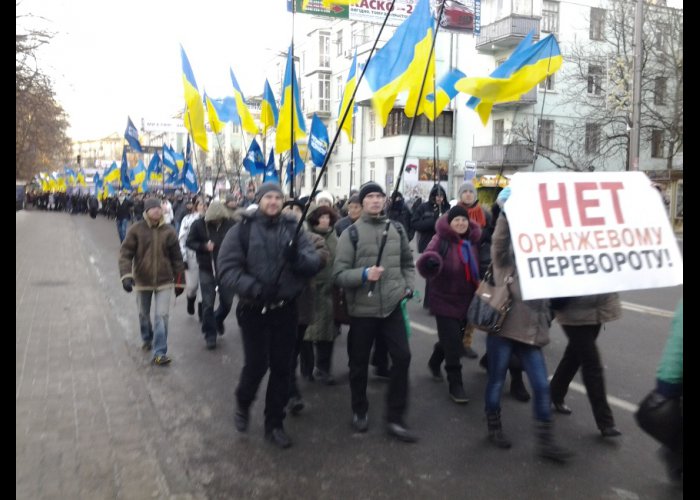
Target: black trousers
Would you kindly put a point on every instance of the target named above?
(449, 348)
(321, 358)
(581, 351)
(362, 333)
(268, 342)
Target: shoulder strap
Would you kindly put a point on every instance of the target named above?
(399, 227)
(444, 247)
(244, 235)
(354, 236)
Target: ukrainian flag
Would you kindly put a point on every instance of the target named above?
(400, 65)
(137, 175)
(112, 173)
(290, 105)
(246, 119)
(216, 124)
(346, 102)
(194, 110)
(268, 109)
(526, 67)
(81, 178)
(446, 91)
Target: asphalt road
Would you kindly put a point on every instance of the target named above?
(194, 402)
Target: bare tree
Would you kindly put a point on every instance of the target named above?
(596, 86)
(40, 122)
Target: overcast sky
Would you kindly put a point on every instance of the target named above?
(113, 59)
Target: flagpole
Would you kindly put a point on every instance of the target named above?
(352, 150)
(408, 143)
(291, 121)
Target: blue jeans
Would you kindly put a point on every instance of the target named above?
(158, 333)
(499, 352)
(122, 226)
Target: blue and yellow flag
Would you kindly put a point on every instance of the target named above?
(298, 164)
(268, 109)
(112, 173)
(80, 178)
(137, 175)
(246, 119)
(318, 141)
(525, 68)
(350, 84)
(124, 171)
(446, 91)
(169, 165)
(154, 173)
(216, 123)
(400, 65)
(290, 106)
(69, 175)
(132, 136)
(194, 110)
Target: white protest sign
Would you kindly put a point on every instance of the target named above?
(586, 233)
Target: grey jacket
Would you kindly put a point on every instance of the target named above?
(527, 321)
(247, 271)
(590, 310)
(397, 260)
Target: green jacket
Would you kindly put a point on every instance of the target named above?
(151, 255)
(350, 262)
(670, 368)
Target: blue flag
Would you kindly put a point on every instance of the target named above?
(270, 170)
(298, 164)
(169, 160)
(132, 136)
(189, 178)
(254, 162)
(318, 141)
(124, 171)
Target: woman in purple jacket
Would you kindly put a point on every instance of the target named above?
(450, 263)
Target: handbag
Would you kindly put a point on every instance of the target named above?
(491, 303)
(340, 306)
(662, 419)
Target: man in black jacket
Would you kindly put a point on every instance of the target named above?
(262, 261)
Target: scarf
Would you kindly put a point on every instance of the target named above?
(476, 213)
(471, 270)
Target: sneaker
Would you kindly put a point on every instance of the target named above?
(400, 432)
(470, 353)
(162, 359)
(360, 422)
(435, 372)
(278, 437)
(220, 327)
(610, 431)
(146, 346)
(324, 377)
(458, 395)
(240, 419)
(190, 305)
(211, 343)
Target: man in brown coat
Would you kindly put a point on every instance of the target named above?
(150, 262)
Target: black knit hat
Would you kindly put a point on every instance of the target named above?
(267, 187)
(457, 211)
(150, 203)
(370, 187)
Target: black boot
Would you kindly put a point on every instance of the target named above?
(457, 394)
(484, 361)
(517, 387)
(190, 305)
(547, 446)
(496, 431)
(199, 311)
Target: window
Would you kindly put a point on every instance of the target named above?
(548, 83)
(497, 132)
(550, 17)
(338, 176)
(339, 43)
(399, 124)
(324, 181)
(371, 170)
(597, 27)
(592, 138)
(657, 143)
(339, 87)
(372, 125)
(324, 91)
(389, 180)
(324, 49)
(303, 99)
(545, 135)
(662, 31)
(660, 90)
(595, 79)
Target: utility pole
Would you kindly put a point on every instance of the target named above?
(636, 90)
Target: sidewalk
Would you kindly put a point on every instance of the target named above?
(85, 424)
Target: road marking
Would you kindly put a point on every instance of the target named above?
(423, 329)
(612, 400)
(647, 310)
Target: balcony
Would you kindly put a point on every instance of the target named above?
(506, 33)
(508, 155)
(525, 99)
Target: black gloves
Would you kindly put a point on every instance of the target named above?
(128, 284)
(431, 264)
(187, 266)
(268, 292)
(291, 251)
